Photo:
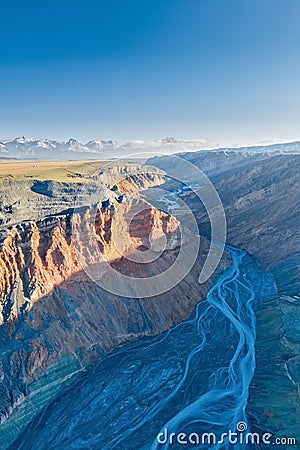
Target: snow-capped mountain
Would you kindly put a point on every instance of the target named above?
(24, 148)
(27, 148)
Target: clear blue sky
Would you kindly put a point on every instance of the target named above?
(226, 70)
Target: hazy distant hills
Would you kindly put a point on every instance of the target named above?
(27, 148)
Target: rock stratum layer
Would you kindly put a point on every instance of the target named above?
(38, 256)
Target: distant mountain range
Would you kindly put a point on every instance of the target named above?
(27, 148)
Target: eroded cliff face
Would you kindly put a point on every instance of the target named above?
(33, 259)
(37, 256)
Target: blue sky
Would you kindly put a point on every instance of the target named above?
(225, 70)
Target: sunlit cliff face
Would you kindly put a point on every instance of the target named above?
(37, 256)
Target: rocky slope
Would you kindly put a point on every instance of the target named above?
(275, 389)
(260, 195)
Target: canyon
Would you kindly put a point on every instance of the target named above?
(57, 321)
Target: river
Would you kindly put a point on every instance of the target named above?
(193, 379)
